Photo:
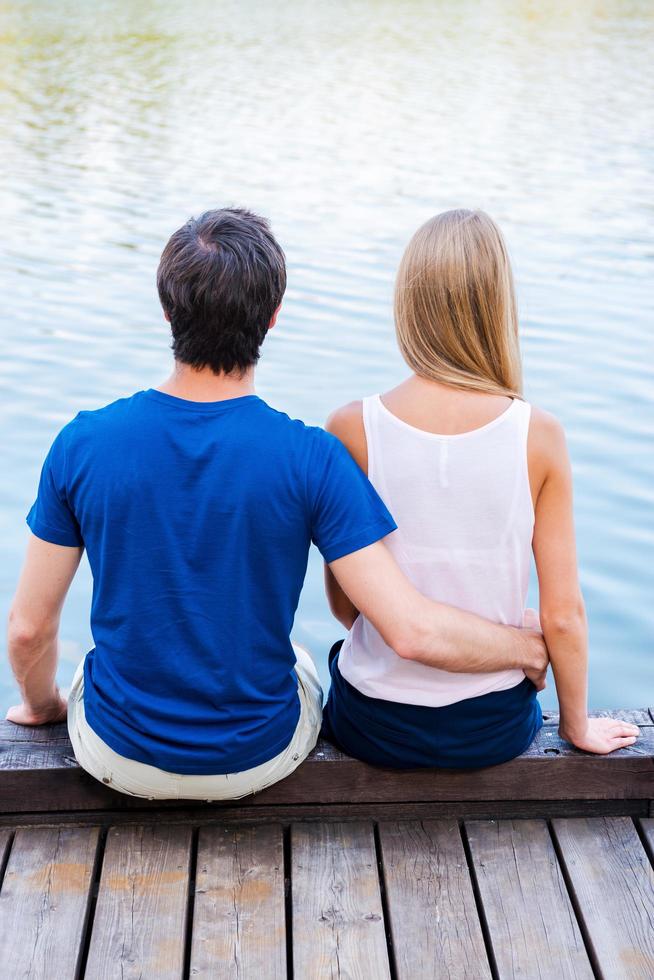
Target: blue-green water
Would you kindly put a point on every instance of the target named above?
(347, 124)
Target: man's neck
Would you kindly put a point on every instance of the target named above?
(202, 385)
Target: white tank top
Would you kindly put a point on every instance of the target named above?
(465, 520)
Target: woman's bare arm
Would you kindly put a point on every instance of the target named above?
(562, 611)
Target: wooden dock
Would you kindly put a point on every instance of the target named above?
(540, 868)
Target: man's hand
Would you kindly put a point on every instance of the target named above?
(537, 655)
(48, 714)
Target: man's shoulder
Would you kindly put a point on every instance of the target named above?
(89, 422)
(306, 435)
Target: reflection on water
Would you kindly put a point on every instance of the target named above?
(348, 125)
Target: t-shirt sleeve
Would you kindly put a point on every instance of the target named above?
(51, 517)
(347, 513)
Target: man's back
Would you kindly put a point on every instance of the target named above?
(197, 519)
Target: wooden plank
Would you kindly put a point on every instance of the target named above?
(239, 916)
(6, 836)
(647, 827)
(45, 899)
(48, 746)
(531, 924)
(635, 716)
(239, 812)
(140, 918)
(10, 732)
(338, 926)
(44, 776)
(433, 917)
(35, 734)
(613, 886)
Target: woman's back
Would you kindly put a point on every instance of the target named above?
(462, 501)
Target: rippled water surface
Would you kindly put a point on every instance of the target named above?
(347, 124)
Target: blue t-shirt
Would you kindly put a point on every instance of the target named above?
(197, 519)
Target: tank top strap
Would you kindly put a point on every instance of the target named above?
(370, 409)
(523, 500)
(523, 417)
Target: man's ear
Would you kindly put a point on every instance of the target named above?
(273, 319)
(167, 315)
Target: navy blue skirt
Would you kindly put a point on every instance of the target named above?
(481, 731)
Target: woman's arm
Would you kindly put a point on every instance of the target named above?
(562, 612)
(346, 424)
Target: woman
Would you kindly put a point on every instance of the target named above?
(476, 479)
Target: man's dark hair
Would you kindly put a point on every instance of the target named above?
(220, 279)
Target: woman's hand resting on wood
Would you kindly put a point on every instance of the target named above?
(602, 735)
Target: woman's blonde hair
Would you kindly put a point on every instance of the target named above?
(455, 310)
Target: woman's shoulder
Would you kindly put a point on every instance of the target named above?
(346, 423)
(545, 430)
(345, 417)
(547, 447)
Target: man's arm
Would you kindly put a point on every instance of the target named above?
(417, 628)
(33, 625)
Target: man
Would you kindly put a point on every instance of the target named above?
(197, 504)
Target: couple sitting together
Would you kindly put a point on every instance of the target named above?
(197, 503)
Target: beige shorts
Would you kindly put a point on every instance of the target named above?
(138, 779)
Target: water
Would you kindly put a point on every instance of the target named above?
(348, 124)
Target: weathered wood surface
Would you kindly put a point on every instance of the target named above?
(338, 924)
(635, 716)
(38, 772)
(44, 901)
(647, 827)
(613, 886)
(139, 927)
(239, 925)
(530, 918)
(237, 814)
(413, 904)
(6, 837)
(433, 918)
